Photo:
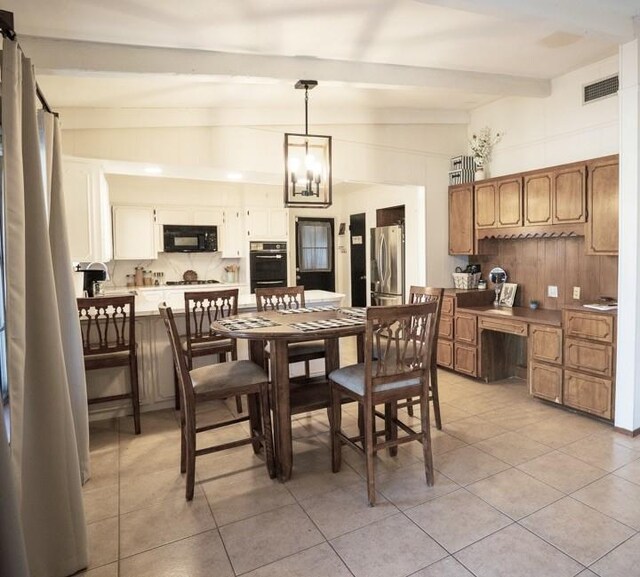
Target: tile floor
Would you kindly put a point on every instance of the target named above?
(522, 490)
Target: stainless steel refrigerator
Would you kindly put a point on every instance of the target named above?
(387, 265)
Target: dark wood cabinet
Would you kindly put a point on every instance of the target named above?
(461, 225)
(545, 381)
(509, 201)
(602, 194)
(555, 197)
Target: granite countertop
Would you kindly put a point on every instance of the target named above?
(147, 300)
(538, 316)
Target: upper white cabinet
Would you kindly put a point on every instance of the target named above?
(233, 239)
(87, 210)
(267, 223)
(134, 233)
(208, 216)
(173, 215)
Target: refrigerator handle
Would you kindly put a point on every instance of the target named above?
(381, 264)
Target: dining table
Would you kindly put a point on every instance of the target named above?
(299, 394)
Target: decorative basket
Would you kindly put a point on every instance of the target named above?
(466, 280)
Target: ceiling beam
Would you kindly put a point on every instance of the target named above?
(612, 21)
(53, 56)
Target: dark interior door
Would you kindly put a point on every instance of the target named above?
(358, 239)
(315, 253)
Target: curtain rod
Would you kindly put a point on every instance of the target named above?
(7, 30)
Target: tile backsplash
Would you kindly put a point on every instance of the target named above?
(173, 265)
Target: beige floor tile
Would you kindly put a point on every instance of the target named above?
(514, 551)
(319, 561)
(477, 404)
(441, 443)
(556, 432)
(514, 417)
(621, 439)
(245, 494)
(164, 421)
(149, 454)
(513, 448)
(630, 472)
(227, 463)
(101, 439)
(615, 497)
(447, 567)
(312, 475)
(202, 555)
(586, 573)
(601, 452)
(473, 429)
(100, 503)
(139, 492)
(393, 547)
(468, 465)
(104, 469)
(265, 538)
(449, 413)
(458, 519)
(102, 537)
(110, 570)
(564, 472)
(408, 487)
(515, 493)
(383, 462)
(163, 523)
(621, 562)
(346, 509)
(557, 524)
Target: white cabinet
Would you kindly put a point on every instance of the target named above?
(87, 211)
(267, 223)
(134, 233)
(233, 237)
(171, 215)
(208, 217)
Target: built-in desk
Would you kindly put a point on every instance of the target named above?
(567, 356)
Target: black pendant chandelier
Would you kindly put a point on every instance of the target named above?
(307, 162)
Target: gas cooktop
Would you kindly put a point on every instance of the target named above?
(190, 282)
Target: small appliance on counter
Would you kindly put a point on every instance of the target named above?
(94, 274)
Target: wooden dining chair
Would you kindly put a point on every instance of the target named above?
(284, 298)
(419, 294)
(108, 327)
(213, 382)
(201, 308)
(403, 336)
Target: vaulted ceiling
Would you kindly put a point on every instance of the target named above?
(397, 56)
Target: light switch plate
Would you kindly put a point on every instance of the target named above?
(552, 291)
(576, 293)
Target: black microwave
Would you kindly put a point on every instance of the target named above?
(183, 238)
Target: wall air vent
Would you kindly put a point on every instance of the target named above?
(600, 89)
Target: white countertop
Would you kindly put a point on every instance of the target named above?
(148, 298)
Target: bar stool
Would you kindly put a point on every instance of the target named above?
(109, 340)
(201, 308)
(284, 298)
(213, 382)
(418, 294)
(404, 337)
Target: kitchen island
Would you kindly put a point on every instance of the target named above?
(155, 363)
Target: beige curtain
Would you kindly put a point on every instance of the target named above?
(65, 292)
(44, 449)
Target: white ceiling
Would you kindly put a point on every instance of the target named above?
(370, 54)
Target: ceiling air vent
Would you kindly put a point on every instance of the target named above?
(600, 89)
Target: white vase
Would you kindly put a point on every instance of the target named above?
(479, 174)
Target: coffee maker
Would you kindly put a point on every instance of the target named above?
(92, 275)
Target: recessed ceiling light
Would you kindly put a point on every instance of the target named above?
(234, 175)
(153, 170)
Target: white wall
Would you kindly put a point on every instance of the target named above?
(415, 155)
(553, 130)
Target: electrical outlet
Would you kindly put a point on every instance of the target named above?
(552, 291)
(576, 293)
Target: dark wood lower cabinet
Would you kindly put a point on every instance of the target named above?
(586, 393)
(466, 360)
(545, 381)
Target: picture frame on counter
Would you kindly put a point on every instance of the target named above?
(508, 294)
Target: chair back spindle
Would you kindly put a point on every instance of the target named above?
(279, 298)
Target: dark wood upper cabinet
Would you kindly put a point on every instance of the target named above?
(461, 229)
(602, 193)
(509, 202)
(538, 199)
(486, 215)
(569, 195)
